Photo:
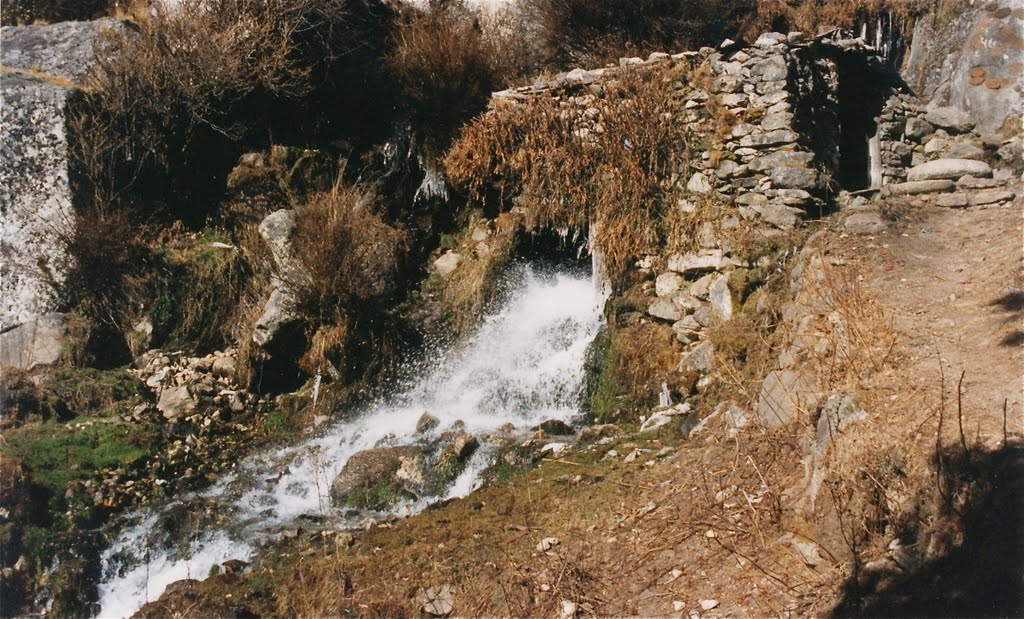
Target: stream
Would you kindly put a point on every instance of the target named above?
(523, 365)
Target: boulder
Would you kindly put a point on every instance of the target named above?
(781, 216)
(176, 402)
(952, 119)
(446, 264)
(951, 169)
(426, 423)
(698, 183)
(379, 477)
(276, 230)
(554, 427)
(913, 188)
(865, 222)
(952, 200)
(700, 262)
(721, 297)
(785, 177)
(665, 309)
(701, 358)
(44, 66)
(783, 396)
(36, 342)
(667, 284)
(989, 196)
(917, 129)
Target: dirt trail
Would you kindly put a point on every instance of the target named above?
(953, 282)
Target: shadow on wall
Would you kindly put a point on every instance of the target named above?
(971, 557)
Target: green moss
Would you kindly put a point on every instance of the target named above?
(60, 453)
(607, 394)
(380, 496)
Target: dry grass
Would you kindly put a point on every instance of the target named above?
(568, 164)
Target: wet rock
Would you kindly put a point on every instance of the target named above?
(36, 342)
(426, 423)
(379, 477)
(591, 434)
(554, 427)
(949, 169)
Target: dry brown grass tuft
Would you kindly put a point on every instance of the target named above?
(569, 164)
(350, 256)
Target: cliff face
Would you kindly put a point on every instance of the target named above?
(972, 57)
(42, 70)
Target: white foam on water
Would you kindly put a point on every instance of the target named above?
(524, 365)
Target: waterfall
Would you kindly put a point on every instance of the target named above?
(524, 365)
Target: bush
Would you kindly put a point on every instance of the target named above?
(13, 12)
(174, 100)
(351, 258)
(591, 33)
(446, 66)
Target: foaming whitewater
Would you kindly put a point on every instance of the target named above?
(524, 365)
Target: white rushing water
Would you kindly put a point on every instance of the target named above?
(524, 365)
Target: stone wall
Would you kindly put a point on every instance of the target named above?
(42, 70)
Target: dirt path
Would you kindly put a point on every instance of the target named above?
(953, 281)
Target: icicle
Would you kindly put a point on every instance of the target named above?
(316, 388)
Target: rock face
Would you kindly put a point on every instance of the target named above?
(279, 333)
(974, 61)
(36, 342)
(44, 66)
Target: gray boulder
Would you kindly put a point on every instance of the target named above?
(377, 478)
(786, 177)
(39, 341)
(952, 119)
(949, 169)
(784, 395)
(44, 67)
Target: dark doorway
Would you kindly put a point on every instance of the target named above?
(860, 102)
